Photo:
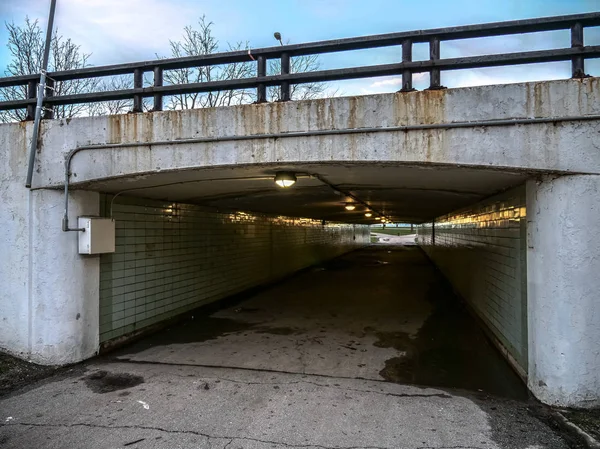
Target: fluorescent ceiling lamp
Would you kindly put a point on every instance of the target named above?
(285, 179)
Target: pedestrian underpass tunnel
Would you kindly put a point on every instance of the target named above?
(381, 312)
(504, 200)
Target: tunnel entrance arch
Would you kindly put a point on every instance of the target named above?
(186, 239)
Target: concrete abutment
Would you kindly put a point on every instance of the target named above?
(563, 285)
(49, 310)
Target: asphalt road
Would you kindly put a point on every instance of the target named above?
(368, 351)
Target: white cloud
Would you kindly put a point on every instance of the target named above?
(115, 31)
(390, 82)
(397, 81)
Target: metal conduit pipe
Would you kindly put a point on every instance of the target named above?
(348, 194)
(315, 133)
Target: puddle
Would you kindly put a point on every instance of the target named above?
(105, 382)
(449, 350)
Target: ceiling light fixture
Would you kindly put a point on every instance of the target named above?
(368, 214)
(285, 179)
(350, 206)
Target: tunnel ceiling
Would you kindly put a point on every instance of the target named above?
(404, 193)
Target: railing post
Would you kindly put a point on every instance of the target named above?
(577, 64)
(435, 78)
(406, 73)
(138, 83)
(261, 90)
(285, 70)
(31, 94)
(158, 82)
(48, 110)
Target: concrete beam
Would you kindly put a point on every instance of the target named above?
(554, 147)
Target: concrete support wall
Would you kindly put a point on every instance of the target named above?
(482, 252)
(563, 264)
(49, 294)
(173, 257)
(49, 298)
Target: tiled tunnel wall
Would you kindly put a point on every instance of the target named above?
(482, 252)
(171, 258)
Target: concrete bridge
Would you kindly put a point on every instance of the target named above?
(503, 181)
(133, 221)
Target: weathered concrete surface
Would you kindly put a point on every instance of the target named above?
(565, 146)
(49, 295)
(329, 323)
(189, 406)
(563, 262)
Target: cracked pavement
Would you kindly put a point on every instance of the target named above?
(216, 408)
(361, 353)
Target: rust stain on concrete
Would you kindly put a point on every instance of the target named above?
(353, 113)
(114, 128)
(321, 115)
(541, 96)
(425, 107)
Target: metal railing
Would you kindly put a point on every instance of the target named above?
(576, 53)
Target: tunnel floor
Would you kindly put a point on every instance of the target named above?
(380, 313)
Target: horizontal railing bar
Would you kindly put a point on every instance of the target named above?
(563, 54)
(329, 46)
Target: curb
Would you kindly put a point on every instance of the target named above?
(579, 434)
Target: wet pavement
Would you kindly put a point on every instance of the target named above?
(383, 313)
(371, 350)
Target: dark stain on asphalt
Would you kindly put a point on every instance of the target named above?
(203, 328)
(105, 382)
(278, 330)
(199, 329)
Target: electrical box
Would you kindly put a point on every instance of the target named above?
(98, 236)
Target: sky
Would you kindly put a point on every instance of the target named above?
(116, 31)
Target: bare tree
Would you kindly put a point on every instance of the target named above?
(201, 41)
(299, 64)
(112, 107)
(26, 47)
